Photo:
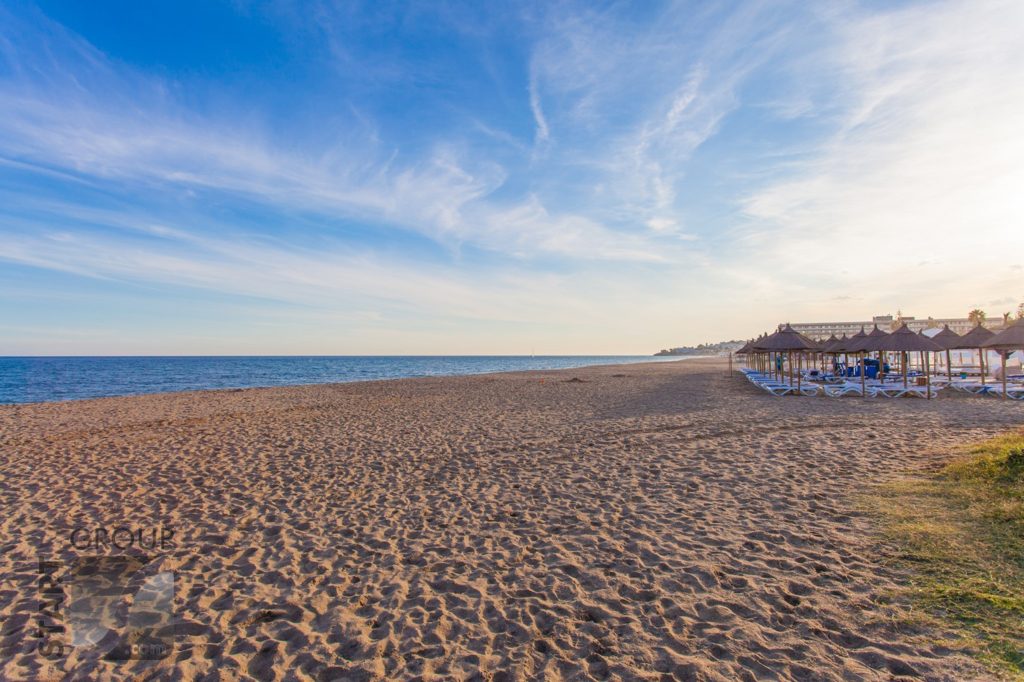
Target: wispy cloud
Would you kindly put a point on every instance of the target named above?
(148, 139)
(564, 169)
(921, 163)
(543, 132)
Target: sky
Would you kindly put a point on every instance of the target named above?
(494, 177)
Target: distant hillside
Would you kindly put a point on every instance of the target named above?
(719, 348)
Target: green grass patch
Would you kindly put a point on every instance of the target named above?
(960, 534)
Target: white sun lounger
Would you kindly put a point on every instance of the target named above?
(975, 388)
(1012, 392)
(778, 388)
(849, 388)
(900, 391)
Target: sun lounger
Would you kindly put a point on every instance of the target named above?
(777, 388)
(849, 388)
(1012, 392)
(900, 391)
(972, 387)
(810, 389)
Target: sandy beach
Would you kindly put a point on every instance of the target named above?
(639, 522)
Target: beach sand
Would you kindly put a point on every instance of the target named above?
(654, 521)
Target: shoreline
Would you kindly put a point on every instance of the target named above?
(233, 389)
(630, 520)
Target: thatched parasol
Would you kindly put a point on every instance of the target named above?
(854, 341)
(869, 342)
(837, 346)
(759, 351)
(906, 341)
(856, 345)
(947, 338)
(975, 339)
(851, 347)
(742, 350)
(823, 348)
(788, 340)
(1010, 339)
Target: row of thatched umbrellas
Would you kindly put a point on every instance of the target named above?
(787, 340)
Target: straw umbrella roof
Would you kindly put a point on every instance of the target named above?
(853, 343)
(871, 340)
(1011, 338)
(974, 338)
(745, 348)
(905, 340)
(823, 345)
(757, 345)
(837, 346)
(947, 338)
(788, 339)
(861, 339)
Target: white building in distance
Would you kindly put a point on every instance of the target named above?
(888, 323)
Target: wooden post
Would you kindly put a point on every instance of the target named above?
(863, 381)
(904, 359)
(949, 365)
(981, 363)
(927, 379)
(1003, 355)
(730, 363)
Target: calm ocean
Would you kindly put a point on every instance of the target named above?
(27, 380)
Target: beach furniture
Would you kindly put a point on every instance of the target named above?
(849, 388)
(912, 391)
(778, 388)
(904, 342)
(972, 387)
(1006, 341)
(1011, 391)
(787, 340)
(948, 339)
(974, 340)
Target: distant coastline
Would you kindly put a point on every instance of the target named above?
(718, 348)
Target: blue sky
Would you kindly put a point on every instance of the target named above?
(488, 177)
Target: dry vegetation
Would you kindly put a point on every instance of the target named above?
(960, 534)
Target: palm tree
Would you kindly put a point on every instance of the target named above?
(976, 316)
(1020, 312)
